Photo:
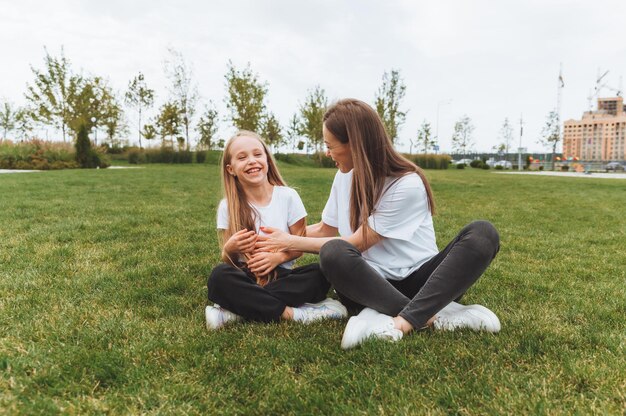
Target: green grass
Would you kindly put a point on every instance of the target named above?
(102, 292)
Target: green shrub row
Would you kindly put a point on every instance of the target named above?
(168, 155)
(36, 154)
(430, 161)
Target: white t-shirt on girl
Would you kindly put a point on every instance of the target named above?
(401, 216)
(284, 210)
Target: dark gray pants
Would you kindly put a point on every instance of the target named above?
(417, 298)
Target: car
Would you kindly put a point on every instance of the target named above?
(614, 166)
(464, 162)
(504, 163)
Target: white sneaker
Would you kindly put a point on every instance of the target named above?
(217, 317)
(476, 317)
(326, 309)
(369, 324)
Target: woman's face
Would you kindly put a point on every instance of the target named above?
(337, 151)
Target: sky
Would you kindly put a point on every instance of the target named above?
(489, 60)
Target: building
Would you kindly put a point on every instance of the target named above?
(600, 135)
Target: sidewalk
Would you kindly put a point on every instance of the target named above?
(600, 175)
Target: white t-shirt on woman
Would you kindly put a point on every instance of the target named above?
(284, 210)
(401, 216)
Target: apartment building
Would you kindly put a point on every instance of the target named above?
(600, 135)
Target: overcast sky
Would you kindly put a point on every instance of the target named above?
(486, 59)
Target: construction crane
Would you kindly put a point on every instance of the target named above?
(600, 84)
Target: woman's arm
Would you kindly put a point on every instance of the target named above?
(277, 240)
(321, 229)
(262, 261)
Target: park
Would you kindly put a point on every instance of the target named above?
(103, 281)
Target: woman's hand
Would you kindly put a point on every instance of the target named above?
(274, 240)
(261, 263)
(242, 241)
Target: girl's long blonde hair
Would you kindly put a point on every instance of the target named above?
(240, 213)
(373, 156)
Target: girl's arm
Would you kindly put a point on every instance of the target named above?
(241, 242)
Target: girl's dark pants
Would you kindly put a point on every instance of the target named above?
(237, 291)
(417, 298)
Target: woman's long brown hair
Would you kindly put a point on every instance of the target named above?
(374, 158)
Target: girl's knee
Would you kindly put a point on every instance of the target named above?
(218, 276)
(486, 235)
(332, 251)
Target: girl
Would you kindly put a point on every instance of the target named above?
(386, 262)
(253, 284)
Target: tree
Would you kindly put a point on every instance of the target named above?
(462, 140)
(149, 132)
(7, 119)
(85, 155)
(114, 121)
(551, 133)
(49, 94)
(207, 127)
(293, 132)
(169, 121)
(388, 99)
(184, 91)
(246, 97)
(424, 140)
(271, 130)
(506, 136)
(139, 96)
(23, 122)
(312, 116)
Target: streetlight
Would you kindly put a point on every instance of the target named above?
(439, 104)
(95, 130)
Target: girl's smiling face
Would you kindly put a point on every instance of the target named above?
(248, 161)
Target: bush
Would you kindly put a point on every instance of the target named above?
(460, 165)
(477, 163)
(486, 166)
(564, 168)
(499, 167)
(136, 157)
(200, 157)
(430, 161)
(540, 167)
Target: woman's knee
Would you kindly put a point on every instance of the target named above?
(485, 235)
(332, 252)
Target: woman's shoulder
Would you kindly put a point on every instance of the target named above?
(285, 191)
(410, 180)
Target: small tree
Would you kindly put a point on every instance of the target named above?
(246, 97)
(49, 94)
(424, 137)
(85, 156)
(207, 127)
(271, 131)
(149, 132)
(23, 122)
(506, 136)
(168, 122)
(7, 119)
(312, 116)
(551, 133)
(139, 96)
(388, 99)
(183, 89)
(293, 132)
(462, 140)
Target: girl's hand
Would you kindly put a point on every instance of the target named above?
(242, 241)
(274, 240)
(262, 262)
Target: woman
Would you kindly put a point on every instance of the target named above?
(385, 262)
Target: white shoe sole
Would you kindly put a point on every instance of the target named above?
(211, 324)
(336, 306)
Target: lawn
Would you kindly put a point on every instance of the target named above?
(103, 287)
